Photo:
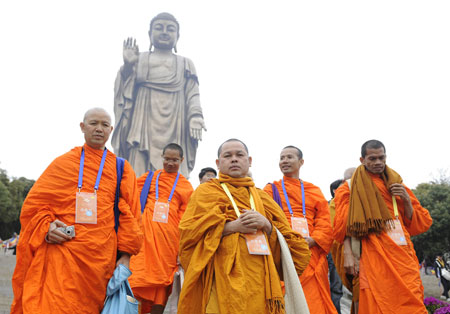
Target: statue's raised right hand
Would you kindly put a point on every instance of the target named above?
(130, 51)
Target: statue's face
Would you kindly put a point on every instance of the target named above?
(164, 34)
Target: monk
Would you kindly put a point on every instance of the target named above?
(155, 265)
(375, 217)
(335, 280)
(59, 273)
(316, 230)
(226, 272)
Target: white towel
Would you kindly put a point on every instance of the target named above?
(294, 299)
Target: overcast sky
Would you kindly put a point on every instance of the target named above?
(321, 75)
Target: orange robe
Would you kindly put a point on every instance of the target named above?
(155, 265)
(243, 283)
(389, 274)
(315, 278)
(72, 277)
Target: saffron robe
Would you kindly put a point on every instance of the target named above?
(155, 266)
(314, 279)
(153, 109)
(72, 277)
(242, 281)
(389, 275)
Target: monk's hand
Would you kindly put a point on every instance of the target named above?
(351, 263)
(124, 259)
(55, 236)
(196, 125)
(254, 220)
(311, 242)
(398, 189)
(130, 51)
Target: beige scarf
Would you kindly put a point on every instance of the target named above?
(368, 213)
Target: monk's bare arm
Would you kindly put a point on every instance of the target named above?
(398, 189)
(124, 259)
(351, 264)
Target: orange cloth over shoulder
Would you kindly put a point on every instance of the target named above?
(314, 279)
(389, 274)
(155, 265)
(244, 283)
(72, 277)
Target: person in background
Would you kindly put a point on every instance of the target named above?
(440, 265)
(207, 174)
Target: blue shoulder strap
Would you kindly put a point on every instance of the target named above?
(276, 195)
(146, 189)
(120, 162)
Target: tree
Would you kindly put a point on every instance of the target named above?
(12, 194)
(435, 196)
(5, 203)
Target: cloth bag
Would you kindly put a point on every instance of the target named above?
(294, 298)
(119, 297)
(172, 302)
(445, 273)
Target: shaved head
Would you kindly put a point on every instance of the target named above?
(95, 110)
(348, 173)
(96, 127)
(298, 151)
(231, 140)
(374, 144)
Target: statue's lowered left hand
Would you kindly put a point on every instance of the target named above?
(196, 124)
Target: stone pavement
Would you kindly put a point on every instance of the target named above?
(7, 264)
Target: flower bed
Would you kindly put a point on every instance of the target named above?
(435, 306)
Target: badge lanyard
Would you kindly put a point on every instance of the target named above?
(256, 242)
(397, 234)
(227, 191)
(287, 198)
(99, 174)
(85, 202)
(394, 202)
(173, 187)
(161, 210)
(299, 224)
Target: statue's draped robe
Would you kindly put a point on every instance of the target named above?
(389, 276)
(72, 277)
(314, 279)
(152, 111)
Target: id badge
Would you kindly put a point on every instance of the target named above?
(86, 208)
(161, 212)
(397, 234)
(300, 225)
(257, 243)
